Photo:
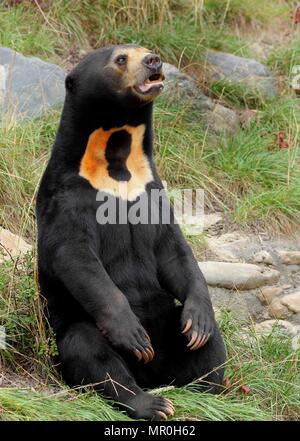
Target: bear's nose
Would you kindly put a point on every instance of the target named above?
(153, 61)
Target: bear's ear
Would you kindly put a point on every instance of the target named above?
(69, 82)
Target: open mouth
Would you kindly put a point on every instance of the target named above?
(154, 82)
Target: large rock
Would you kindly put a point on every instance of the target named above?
(232, 247)
(241, 276)
(28, 85)
(245, 307)
(181, 89)
(234, 69)
(12, 246)
(292, 301)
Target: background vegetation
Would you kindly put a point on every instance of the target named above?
(247, 176)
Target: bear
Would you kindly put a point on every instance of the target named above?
(127, 302)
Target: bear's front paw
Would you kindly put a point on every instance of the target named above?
(198, 322)
(129, 335)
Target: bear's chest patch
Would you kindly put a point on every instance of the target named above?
(114, 162)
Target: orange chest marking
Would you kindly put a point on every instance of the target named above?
(114, 161)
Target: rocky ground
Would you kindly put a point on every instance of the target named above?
(254, 276)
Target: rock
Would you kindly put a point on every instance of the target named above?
(268, 293)
(234, 69)
(28, 85)
(12, 246)
(231, 247)
(282, 326)
(292, 301)
(242, 276)
(211, 220)
(278, 310)
(290, 257)
(222, 120)
(263, 257)
(245, 307)
(181, 88)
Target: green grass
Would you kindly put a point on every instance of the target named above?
(161, 26)
(283, 58)
(24, 150)
(237, 94)
(246, 175)
(249, 11)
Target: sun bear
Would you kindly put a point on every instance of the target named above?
(128, 304)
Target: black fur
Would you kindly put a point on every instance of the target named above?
(108, 287)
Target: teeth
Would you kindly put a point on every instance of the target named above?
(148, 84)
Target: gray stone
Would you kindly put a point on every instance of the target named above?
(243, 276)
(181, 88)
(222, 120)
(245, 307)
(232, 247)
(234, 69)
(28, 85)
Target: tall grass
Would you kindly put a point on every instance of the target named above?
(247, 175)
(53, 32)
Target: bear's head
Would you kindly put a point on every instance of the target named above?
(126, 74)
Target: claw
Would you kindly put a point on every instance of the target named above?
(205, 340)
(195, 345)
(169, 402)
(193, 339)
(138, 354)
(162, 415)
(187, 326)
(150, 353)
(145, 357)
(170, 410)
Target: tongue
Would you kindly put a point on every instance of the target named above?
(145, 87)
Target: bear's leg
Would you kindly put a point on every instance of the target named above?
(86, 358)
(206, 364)
(175, 363)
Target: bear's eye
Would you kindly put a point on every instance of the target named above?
(121, 60)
